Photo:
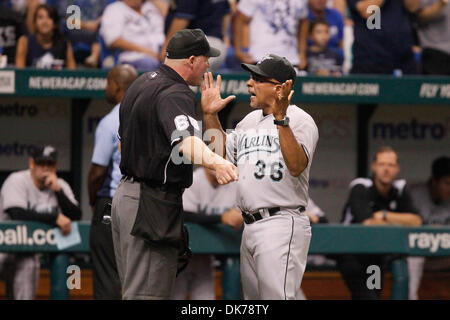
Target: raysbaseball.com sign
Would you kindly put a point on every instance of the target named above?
(20, 235)
(429, 241)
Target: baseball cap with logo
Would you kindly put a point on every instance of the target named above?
(46, 153)
(190, 42)
(273, 66)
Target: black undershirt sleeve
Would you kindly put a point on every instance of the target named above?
(68, 208)
(17, 213)
(202, 218)
(323, 219)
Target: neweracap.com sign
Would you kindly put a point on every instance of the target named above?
(66, 83)
(353, 89)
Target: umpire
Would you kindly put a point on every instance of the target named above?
(157, 120)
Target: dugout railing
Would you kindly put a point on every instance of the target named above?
(332, 239)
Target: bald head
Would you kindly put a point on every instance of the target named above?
(124, 75)
(118, 80)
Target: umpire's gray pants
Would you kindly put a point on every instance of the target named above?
(146, 271)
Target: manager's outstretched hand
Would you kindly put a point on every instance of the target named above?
(283, 99)
(212, 102)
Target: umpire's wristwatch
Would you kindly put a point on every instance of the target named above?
(284, 122)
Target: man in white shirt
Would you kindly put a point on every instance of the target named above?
(136, 28)
(275, 26)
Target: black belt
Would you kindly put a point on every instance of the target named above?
(172, 188)
(250, 217)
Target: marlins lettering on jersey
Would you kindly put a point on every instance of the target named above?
(254, 145)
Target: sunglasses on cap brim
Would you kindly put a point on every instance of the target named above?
(259, 78)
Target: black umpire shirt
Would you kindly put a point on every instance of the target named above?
(156, 112)
(365, 200)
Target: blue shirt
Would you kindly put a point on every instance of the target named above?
(391, 44)
(203, 14)
(39, 57)
(328, 60)
(106, 152)
(90, 9)
(336, 23)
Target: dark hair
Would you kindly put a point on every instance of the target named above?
(383, 149)
(52, 13)
(316, 22)
(440, 167)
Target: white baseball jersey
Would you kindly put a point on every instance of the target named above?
(19, 191)
(202, 197)
(264, 179)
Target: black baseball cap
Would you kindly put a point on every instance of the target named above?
(46, 153)
(190, 42)
(440, 167)
(273, 66)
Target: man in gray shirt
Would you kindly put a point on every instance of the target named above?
(434, 24)
(433, 201)
(36, 194)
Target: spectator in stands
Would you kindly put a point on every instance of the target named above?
(380, 200)
(318, 10)
(103, 179)
(18, 6)
(339, 5)
(322, 60)
(389, 47)
(36, 194)
(84, 40)
(434, 36)
(136, 29)
(433, 201)
(207, 203)
(279, 27)
(85, 45)
(212, 16)
(12, 27)
(47, 48)
(30, 11)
